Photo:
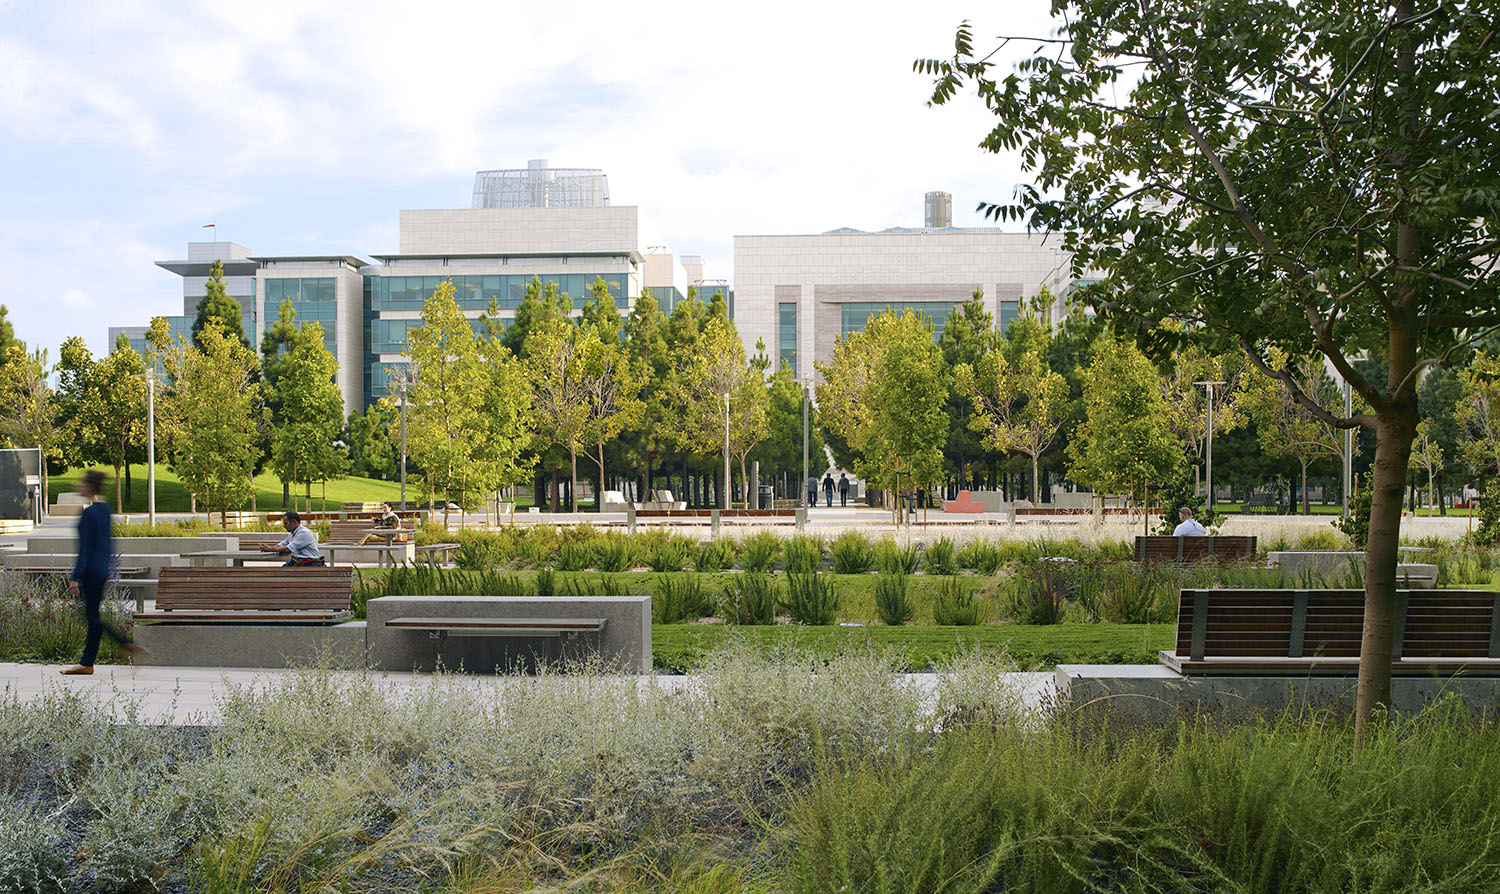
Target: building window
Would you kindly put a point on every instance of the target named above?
(786, 336)
(856, 314)
(314, 300)
(1009, 310)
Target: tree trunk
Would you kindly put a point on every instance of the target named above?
(554, 490)
(1306, 507)
(253, 506)
(119, 495)
(1388, 481)
(1036, 486)
(572, 477)
(286, 493)
(127, 484)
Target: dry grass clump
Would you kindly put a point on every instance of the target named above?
(341, 780)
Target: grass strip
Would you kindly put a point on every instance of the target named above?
(680, 647)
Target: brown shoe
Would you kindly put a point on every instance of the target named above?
(77, 669)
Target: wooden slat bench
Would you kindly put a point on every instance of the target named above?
(252, 594)
(1278, 632)
(1193, 549)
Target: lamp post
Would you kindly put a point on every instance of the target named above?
(151, 445)
(1348, 447)
(403, 445)
(724, 494)
(1208, 452)
(802, 484)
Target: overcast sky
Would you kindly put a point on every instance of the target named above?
(304, 127)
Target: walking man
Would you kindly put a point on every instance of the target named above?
(828, 489)
(300, 543)
(1188, 526)
(91, 572)
(843, 489)
(812, 490)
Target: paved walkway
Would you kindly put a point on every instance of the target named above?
(190, 695)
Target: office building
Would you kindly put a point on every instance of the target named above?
(799, 293)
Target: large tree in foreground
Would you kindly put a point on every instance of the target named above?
(1314, 177)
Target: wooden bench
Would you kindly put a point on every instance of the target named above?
(41, 570)
(350, 532)
(1193, 549)
(445, 550)
(1280, 632)
(252, 594)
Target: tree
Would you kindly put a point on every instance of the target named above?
(1019, 405)
(371, 453)
(557, 355)
(1286, 427)
(217, 306)
(885, 393)
(28, 409)
(1187, 401)
(1427, 456)
(1479, 412)
(220, 405)
(443, 420)
(1125, 444)
(781, 451)
(601, 313)
(311, 413)
(504, 415)
(1278, 174)
(1439, 397)
(613, 386)
(713, 365)
(646, 345)
(968, 335)
(539, 306)
(103, 405)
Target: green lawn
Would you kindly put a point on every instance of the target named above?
(679, 647)
(171, 496)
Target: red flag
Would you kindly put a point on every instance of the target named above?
(206, 226)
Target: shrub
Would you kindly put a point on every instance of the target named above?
(940, 557)
(39, 621)
(891, 601)
(574, 556)
(30, 861)
(678, 597)
(811, 598)
(670, 554)
(955, 605)
(1139, 594)
(749, 598)
(714, 556)
(852, 553)
(980, 556)
(802, 554)
(603, 585)
(545, 582)
(1324, 540)
(1037, 594)
(479, 552)
(614, 553)
(1356, 525)
(758, 554)
(893, 559)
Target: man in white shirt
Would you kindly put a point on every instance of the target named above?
(1188, 526)
(300, 542)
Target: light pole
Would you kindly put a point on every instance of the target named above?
(403, 445)
(802, 485)
(151, 443)
(724, 494)
(1208, 452)
(1348, 446)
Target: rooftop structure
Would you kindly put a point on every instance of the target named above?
(540, 186)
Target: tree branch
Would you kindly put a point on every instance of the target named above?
(1440, 361)
(1300, 396)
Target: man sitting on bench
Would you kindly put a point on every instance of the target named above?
(1188, 526)
(300, 543)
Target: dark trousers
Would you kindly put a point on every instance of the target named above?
(812, 498)
(828, 495)
(91, 590)
(843, 498)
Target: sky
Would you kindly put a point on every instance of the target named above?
(304, 127)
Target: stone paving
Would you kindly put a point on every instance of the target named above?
(190, 695)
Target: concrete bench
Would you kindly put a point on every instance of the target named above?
(483, 633)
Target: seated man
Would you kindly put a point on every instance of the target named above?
(300, 543)
(1189, 526)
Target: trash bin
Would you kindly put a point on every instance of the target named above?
(767, 497)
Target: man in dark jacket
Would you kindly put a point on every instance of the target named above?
(92, 571)
(843, 489)
(828, 488)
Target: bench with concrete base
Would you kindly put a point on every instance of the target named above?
(1193, 549)
(262, 595)
(481, 633)
(1277, 632)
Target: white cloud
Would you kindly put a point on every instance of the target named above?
(76, 299)
(716, 119)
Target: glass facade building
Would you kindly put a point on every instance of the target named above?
(313, 299)
(475, 292)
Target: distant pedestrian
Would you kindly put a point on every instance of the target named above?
(1188, 526)
(91, 572)
(828, 489)
(812, 490)
(300, 543)
(843, 489)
